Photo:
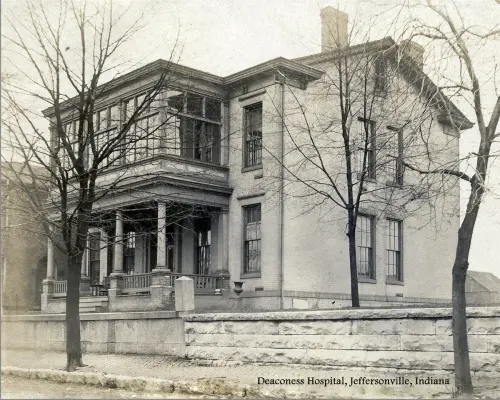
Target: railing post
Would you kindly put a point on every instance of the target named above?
(47, 293)
(161, 289)
(184, 294)
(115, 289)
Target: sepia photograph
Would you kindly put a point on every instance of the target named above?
(250, 199)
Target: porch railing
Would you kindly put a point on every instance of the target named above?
(136, 283)
(202, 283)
(60, 288)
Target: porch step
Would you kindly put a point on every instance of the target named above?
(93, 304)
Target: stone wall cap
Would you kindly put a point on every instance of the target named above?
(93, 316)
(350, 314)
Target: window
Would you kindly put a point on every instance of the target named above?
(189, 122)
(394, 245)
(252, 251)
(380, 75)
(366, 142)
(199, 140)
(94, 258)
(253, 135)
(365, 246)
(144, 139)
(394, 164)
(129, 253)
(203, 243)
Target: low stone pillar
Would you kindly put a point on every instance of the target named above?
(161, 290)
(223, 280)
(85, 286)
(47, 293)
(115, 289)
(184, 294)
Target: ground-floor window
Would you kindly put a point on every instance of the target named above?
(394, 246)
(365, 245)
(252, 238)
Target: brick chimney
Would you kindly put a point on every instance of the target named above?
(333, 29)
(413, 50)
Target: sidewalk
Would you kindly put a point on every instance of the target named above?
(230, 380)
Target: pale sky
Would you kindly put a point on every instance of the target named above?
(225, 36)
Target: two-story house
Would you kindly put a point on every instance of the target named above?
(208, 194)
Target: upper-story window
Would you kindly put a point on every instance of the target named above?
(366, 143)
(253, 135)
(106, 122)
(196, 119)
(394, 164)
(380, 75)
(145, 132)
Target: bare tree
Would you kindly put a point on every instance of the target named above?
(462, 75)
(75, 154)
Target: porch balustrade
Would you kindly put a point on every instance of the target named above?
(136, 283)
(202, 283)
(60, 288)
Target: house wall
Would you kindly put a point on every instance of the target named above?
(24, 251)
(315, 245)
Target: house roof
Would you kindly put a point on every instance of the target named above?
(302, 66)
(408, 67)
(307, 72)
(490, 281)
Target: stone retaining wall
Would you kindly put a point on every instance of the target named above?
(150, 332)
(417, 341)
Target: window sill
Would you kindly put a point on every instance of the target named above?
(393, 281)
(250, 275)
(251, 168)
(365, 279)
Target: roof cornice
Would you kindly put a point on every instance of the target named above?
(309, 73)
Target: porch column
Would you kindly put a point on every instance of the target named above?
(222, 270)
(85, 258)
(118, 259)
(85, 276)
(50, 260)
(161, 255)
(103, 256)
(48, 283)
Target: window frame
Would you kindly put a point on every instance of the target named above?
(380, 71)
(399, 276)
(372, 276)
(245, 272)
(397, 175)
(371, 159)
(258, 148)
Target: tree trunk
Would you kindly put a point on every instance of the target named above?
(73, 344)
(463, 380)
(351, 234)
